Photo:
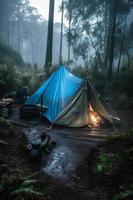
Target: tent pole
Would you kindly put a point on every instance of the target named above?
(41, 108)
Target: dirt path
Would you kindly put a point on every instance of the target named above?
(73, 145)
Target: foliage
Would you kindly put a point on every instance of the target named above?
(112, 165)
(10, 56)
(14, 185)
(93, 32)
(13, 77)
(9, 76)
(26, 190)
(125, 195)
(107, 163)
(2, 122)
(25, 30)
(2, 142)
(81, 72)
(18, 188)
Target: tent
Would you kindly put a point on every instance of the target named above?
(67, 98)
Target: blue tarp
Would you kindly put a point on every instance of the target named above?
(57, 92)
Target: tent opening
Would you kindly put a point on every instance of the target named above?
(95, 119)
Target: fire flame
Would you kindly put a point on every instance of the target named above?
(95, 118)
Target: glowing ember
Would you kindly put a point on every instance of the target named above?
(95, 118)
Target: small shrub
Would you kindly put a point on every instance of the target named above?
(127, 194)
(107, 163)
(17, 187)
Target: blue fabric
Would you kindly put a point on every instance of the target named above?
(57, 92)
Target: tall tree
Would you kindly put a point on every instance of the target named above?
(113, 10)
(61, 33)
(48, 61)
(69, 30)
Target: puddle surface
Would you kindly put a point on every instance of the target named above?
(61, 163)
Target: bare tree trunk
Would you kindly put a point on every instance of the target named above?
(107, 38)
(69, 31)
(48, 61)
(112, 40)
(119, 60)
(18, 36)
(61, 33)
(18, 29)
(32, 51)
(8, 31)
(105, 23)
(121, 49)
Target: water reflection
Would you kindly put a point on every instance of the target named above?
(61, 163)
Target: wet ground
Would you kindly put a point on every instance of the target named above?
(72, 144)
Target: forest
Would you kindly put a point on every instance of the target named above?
(66, 100)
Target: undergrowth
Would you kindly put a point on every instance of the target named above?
(15, 184)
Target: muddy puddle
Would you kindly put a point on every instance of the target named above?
(62, 163)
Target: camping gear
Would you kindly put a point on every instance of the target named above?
(28, 111)
(69, 99)
(31, 111)
(34, 152)
(39, 144)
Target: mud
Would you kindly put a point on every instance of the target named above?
(72, 144)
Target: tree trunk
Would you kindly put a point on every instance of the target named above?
(112, 40)
(108, 22)
(8, 31)
(18, 29)
(119, 60)
(61, 33)
(18, 36)
(32, 51)
(69, 31)
(121, 48)
(48, 61)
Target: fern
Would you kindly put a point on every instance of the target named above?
(27, 191)
(2, 142)
(124, 195)
(28, 182)
(26, 188)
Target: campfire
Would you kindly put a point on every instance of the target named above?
(95, 118)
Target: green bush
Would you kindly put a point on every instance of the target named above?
(9, 56)
(127, 194)
(8, 75)
(107, 163)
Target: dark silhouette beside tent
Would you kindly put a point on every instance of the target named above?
(69, 99)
